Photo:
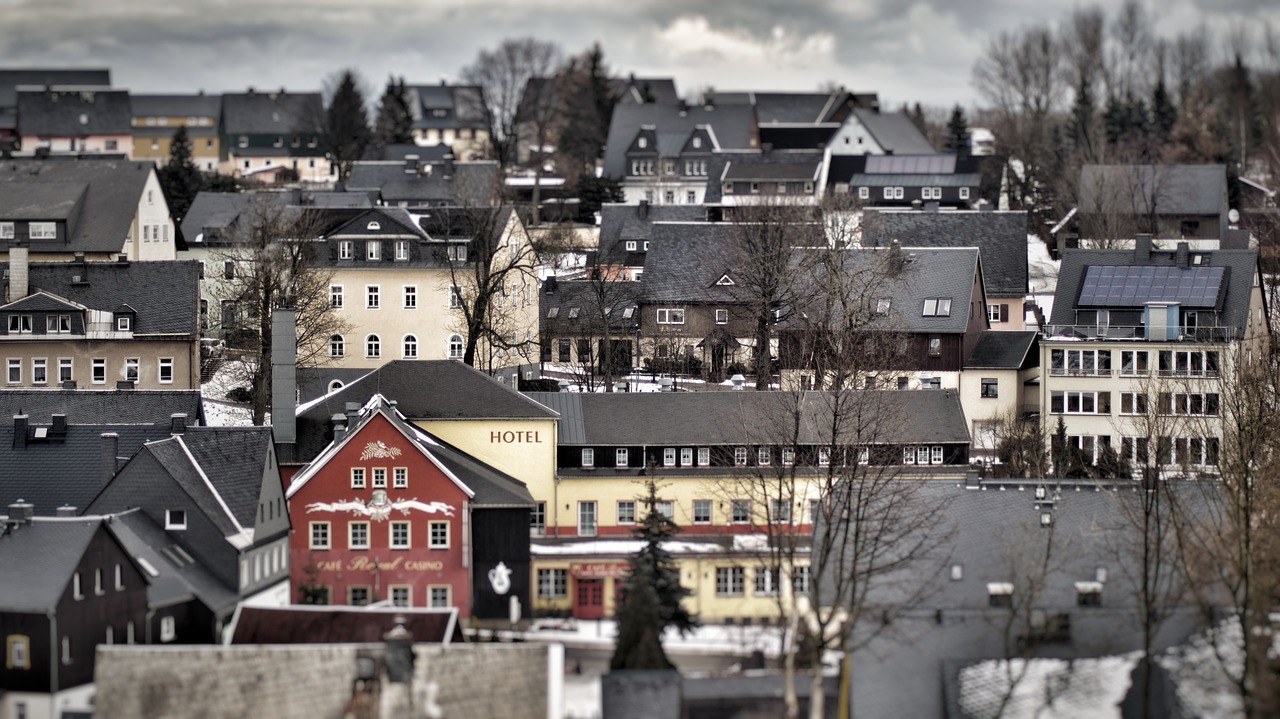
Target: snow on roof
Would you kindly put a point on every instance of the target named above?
(616, 547)
(1083, 687)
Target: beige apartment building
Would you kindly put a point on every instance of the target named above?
(157, 117)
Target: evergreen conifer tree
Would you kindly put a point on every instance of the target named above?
(394, 125)
(652, 601)
(958, 132)
(180, 179)
(346, 125)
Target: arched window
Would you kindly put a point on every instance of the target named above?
(372, 347)
(410, 347)
(455, 346)
(337, 347)
(335, 385)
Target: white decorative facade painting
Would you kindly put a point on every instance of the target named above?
(380, 507)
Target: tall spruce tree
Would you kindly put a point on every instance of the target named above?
(345, 129)
(394, 125)
(652, 601)
(958, 132)
(180, 179)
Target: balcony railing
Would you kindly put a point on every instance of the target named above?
(1138, 332)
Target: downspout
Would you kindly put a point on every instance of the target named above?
(466, 558)
(55, 652)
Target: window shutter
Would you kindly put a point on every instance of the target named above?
(1004, 313)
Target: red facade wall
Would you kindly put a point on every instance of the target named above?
(430, 496)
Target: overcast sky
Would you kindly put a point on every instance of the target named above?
(907, 51)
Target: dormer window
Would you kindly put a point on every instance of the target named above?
(373, 226)
(175, 519)
(642, 143)
(402, 250)
(43, 231)
(57, 324)
(124, 323)
(697, 143)
(373, 251)
(344, 250)
(937, 307)
(19, 324)
(631, 245)
(6, 230)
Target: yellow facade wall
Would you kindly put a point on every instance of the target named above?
(524, 449)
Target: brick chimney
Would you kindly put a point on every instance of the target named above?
(19, 272)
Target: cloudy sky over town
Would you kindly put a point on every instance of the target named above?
(907, 51)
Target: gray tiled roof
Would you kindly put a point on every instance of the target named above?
(199, 105)
(895, 132)
(83, 407)
(1003, 350)
(1242, 265)
(74, 112)
(687, 259)
(110, 203)
(172, 460)
(142, 538)
(734, 127)
(56, 548)
(588, 297)
(1001, 237)
(884, 180)
(1164, 189)
(463, 105)
(797, 165)
(632, 90)
(234, 458)
(424, 389)
(401, 152)
(165, 294)
(474, 182)
(619, 223)
(12, 78)
(42, 201)
(681, 418)
(270, 113)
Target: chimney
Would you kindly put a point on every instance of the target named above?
(19, 431)
(178, 423)
(20, 512)
(66, 510)
(1142, 248)
(339, 427)
(549, 285)
(59, 425)
(18, 272)
(448, 165)
(110, 449)
(1184, 256)
(399, 656)
(353, 411)
(284, 376)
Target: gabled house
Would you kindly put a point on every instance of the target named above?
(390, 512)
(1187, 202)
(792, 176)
(999, 385)
(920, 311)
(63, 120)
(217, 494)
(155, 119)
(101, 208)
(71, 585)
(454, 115)
(632, 90)
(663, 153)
(100, 325)
(626, 232)
(1001, 238)
(904, 180)
(867, 131)
(416, 181)
(272, 134)
(38, 78)
(589, 328)
(1140, 342)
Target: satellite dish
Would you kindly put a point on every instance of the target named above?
(1234, 216)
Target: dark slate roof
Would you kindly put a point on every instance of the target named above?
(463, 105)
(392, 221)
(733, 125)
(1166, 189)
(70, 472)
(84, 407)
(172, 460)
(895, 132)
(165, 294)
(632, 90)
(681, 418)
(110, 202)
(588, 297)
(1241, 266)
(471, 182)
(234, 459)
(43, 201)
(1003, 350)
(214, 217)
(884, 180)
(686, 260)
(796, 165)
(302, 624)
(424, 389)
(924, 272)
(174, 582)
(270, 113)
(1000, 236)
(38, 558)
(619, 223)
(13, 78)
(406, 151)
(200, 105)
(74, 112)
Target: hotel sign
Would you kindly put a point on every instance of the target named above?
(593, 570)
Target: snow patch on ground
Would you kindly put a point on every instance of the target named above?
(1204, 687)
(1049, 688)
(220, 411)
(1042, 274)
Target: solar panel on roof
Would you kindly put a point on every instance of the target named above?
(1124, 286)
(911, 164)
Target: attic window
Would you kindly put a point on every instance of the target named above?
(937, 307)
(6, 230)
(697, 142)
(1089, 594)
(175, 519)
(1000, 594)
(882, 306)
(42, 230)
(642, 143)
(631, 245)
(123, 324)
(573, 313)
(628, 313)
(84, 119)
(725, 280)
(373, 226)
(553, 312)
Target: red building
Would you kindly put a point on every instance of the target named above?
(390, 513)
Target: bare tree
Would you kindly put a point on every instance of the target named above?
(599, 315)
(502, 74)
(272, 263)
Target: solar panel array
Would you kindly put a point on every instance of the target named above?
(1111, 286)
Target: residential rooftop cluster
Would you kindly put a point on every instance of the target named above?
(794, 316)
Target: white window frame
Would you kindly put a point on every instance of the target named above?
(373, 250)
(588, 457)
(345, 250)
(372, 297)
(42, 230)
(409, 347)
(394, 542)
(704, 456)
(730, 582)
(352, 541)
(670, 316)
(686, 456)
(438, 535)
(336, 297)
(319, 535)
(588, 518)
(621, 457)
(553, 583)
(99, 377)
(373, 347)
(165, 371)
(722, 317)
(669, 456)
(411, 297)
(626, 511)
(400, 477)
(168, 629)
(706, 504)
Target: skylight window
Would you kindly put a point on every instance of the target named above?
(937, 307)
